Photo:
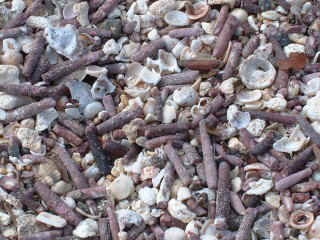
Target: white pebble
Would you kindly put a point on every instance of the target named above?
(174, 233)
(45, 118)
(122, 187)
(180, 211)
(61, 187)
(183, 193)
(51, 220)
(227, 86)
(69, 201)
(92, 109)
(148, 195)
(185, 96)
(86, 228)
(153, 35)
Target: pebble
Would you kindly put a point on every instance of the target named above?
(61, 187)
(86, 228)
(4, 219)
(9, 102)
(69, 201)
(51, 220)
(276, 104)
(174, 233)
(128, 217)
(92, 109)
(148, 195)
(293, 47)
(180, 211)
(260, 187)
(45, 118)
(183, 193)
(122, 187)
(185, 96)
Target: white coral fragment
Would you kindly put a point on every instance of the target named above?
(260, 187)
(166, 63)
(257, 73)
(111, 47)
(293, 143)
(236, 118)
(248, 96)
(149, 77)
(101, 87)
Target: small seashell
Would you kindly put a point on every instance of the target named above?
(170, 42)
(128, 218)
(18, 6)
(101, 87)
(81, 9)
(95, 71)
(176, 18)
(227, 86)
(204, 106)
(166, 63)
(149, 77)
(174, 233)
(301, 219)
(11, 57)
(295, 142)
(153, 35)
(111, 47)
(247, 96)
(197, 10)
(235, 144)
(196, 45)
(185, 96)
(270, 15)
(161, 7)
(316, 127)
(178, 48)
(208, 39)
(240, 14)
(204, 88)
(148, 195)
(311, 109)
(260, 187)
(236, 118)
(256, 127)
(273, 199)
(257, 73)
(180, 211)
(311, 87)
(122, 187)
(86, 228)
(183, 194)
(293, 48)
(252, 23)
(68, 11)
(169, 113)
(231, 3)
(263, 51)
(277, 104)
(45, 119)
(298, 38)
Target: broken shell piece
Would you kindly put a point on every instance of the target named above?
(127, 218)
(180, 211)
(63, 39)
(9, 74)
(68, 11)
(247, 96)
(240, 14)
(276, 104)
(177, 18)
(256, 127)
(311, 109)
(161, 7)
(260, 187)
(236, 118)
(293, 48)
(45, 119)
(166, 63)
(185, 96)
(311, 87)
(101, 87)
(257, 73)
(95, 71)
(80, 91)
(301, 219)
(81, 9)
(293, 143)
(150, 77)
(111, 47)
(169, 114)
(256, 167)
(196, 11)
(227, 86)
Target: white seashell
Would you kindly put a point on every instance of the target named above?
(68, 11)
(208, 39)
(253, 106)
(10, 44)
(204, 88)
(45, 119)
(222, 2)
(235, 144)
(38, 22)
(293, 48)
(227, 86)
(81, 9)
(193, 227)
(180, 211)
(183, 193)
(196, 45)
(276, 104)
(207, 27)
(311, 109)
(170, 42)
(142, 6)
(9, 74)
(147, 21)
(256, 167)
(149, 77)
(187, 53)
(293, 143)
(17, 6)
(169, 114)
(273, 199)
(298, 38)
(260, 187)
(95, 71)
(176, 18)
(247, 96)
(178, 48)
(236, 118)
(101, 87)
(256, 127)
(148, 195)
(293, 89)
(240, 14)
(127, 51)
(311, 87)
(270, 15)
(153, 35)
(185, 96)
(111, 47)
(257, 73)
(252, 23)
(63, 39)
(166, 63)
(161, 7)
(174, 233)
(225, 131)
(264, 51)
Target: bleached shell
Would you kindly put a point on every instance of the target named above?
(235, 144)
(260, 187)
(187, 53)
(177, 18)
(9, 74)
(17, 6)
(161, 7)
(185, 96)
(311, 87)
(293, 48)
(256, 127)
(256, 166)
(270, 15)
(247, 96)
(95, 71)
(236, 184)
(316, 126)
(276, 104)
(178, 48)
(101, 87)
(153, 35)
(149, 77)
(298, 38)
(169, 113)
(254, 78)
(204, 88)
(252, 23)
(207, 27)
(142, 6)
(174, 233)
(111, 47)
(240, 14)
(273, 199)
(263, 51)
(166, 63)
(183, 193)
(204, 105)
(227, 86)
(314, 231)
(236, 118)
(38, 22)
(311, 109)
(170, 42)
(180, 211)
(208, 39)
(196, 45)
(293, 143)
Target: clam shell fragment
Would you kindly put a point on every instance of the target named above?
(177, 18)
